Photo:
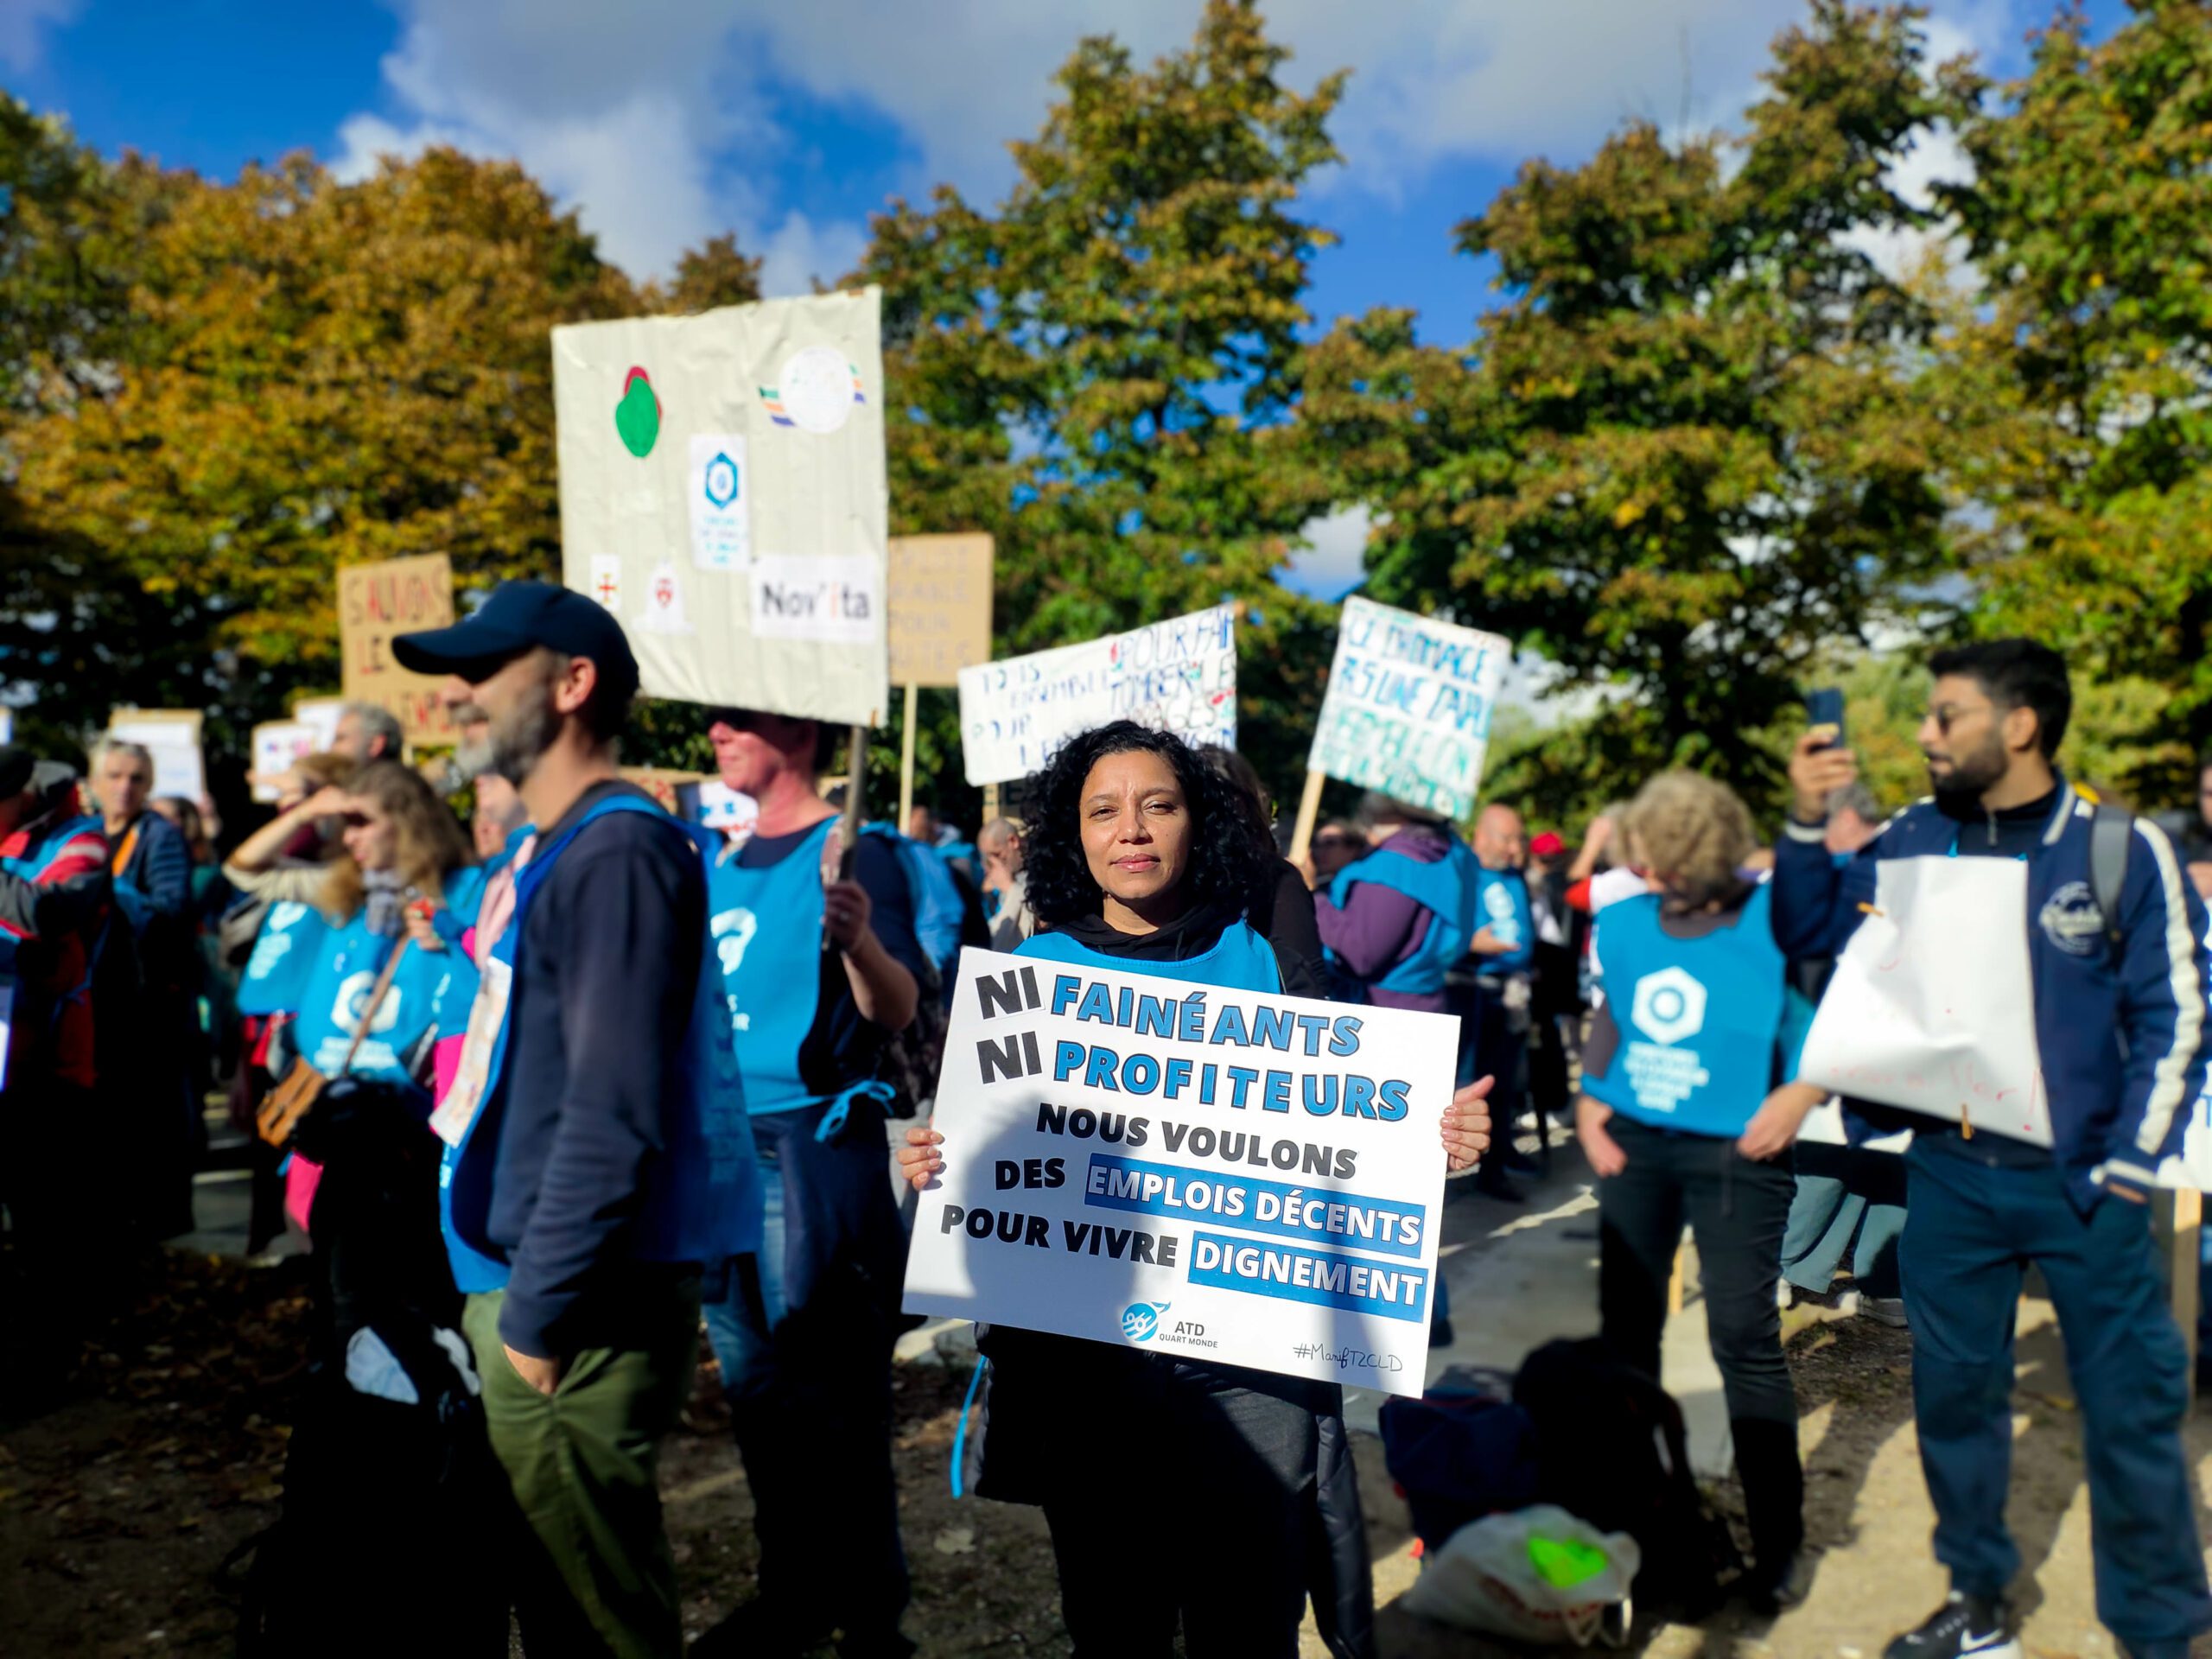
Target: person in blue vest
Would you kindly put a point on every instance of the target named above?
(821, 969)
(599, 1171)
(1141, 857)
(1687, 1114)
(1499, 961)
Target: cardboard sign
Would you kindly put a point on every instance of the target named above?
(1922, 1013)
(1178, 675)
(376, 602)
(278, 745)
(940, 607)
(1408, 707)
(172, 737)
(320, 715)
(723, 493)
(1206, 1174)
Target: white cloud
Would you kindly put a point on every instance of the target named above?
(802, 250)
(21, 46)
(1333, 560)
(661, 127)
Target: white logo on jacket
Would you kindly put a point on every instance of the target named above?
(354, 999)
(2072, 920)
(1669, 1006)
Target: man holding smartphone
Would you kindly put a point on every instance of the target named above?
(2118, 1020)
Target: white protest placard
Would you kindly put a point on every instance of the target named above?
(1408, 710)
(1179, 676)
(723, 493)
(278, 745)
(1212, 1174)
(172, 737)
(722, 807)
(7, 725)
(1922, 1013)
(320, 716)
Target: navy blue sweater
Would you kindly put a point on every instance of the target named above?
(602, 1003)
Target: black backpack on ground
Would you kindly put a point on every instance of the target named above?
(1460, 1452)
(1610, 1448)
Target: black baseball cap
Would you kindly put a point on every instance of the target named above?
(518, 617)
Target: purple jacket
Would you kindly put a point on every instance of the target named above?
(1377, 927)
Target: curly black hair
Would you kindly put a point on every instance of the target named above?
(1229, 863)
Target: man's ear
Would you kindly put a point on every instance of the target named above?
(2021, 729)
(574, 685)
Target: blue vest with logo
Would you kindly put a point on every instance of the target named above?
(337, 990)
(938, 908)
(702, 1199)
(1502, 905)
(766, 929)
(285, 951)
(1702, 1022)
(1445, 889)
(1240, 960)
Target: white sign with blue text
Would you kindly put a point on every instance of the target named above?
(1408, 707)
(1217, 1175)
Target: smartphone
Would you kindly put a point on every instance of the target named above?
(1824, 708)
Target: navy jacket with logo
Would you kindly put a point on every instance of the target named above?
(2121, 1031)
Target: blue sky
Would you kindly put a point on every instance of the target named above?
(664, 122)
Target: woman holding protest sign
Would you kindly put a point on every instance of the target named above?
(1689, 1113)
(1142, 858)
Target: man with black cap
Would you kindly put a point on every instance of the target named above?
(598, 1157)
(53, 890)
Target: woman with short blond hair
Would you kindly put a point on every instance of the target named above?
(1687, 1114)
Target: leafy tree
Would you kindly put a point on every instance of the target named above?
(1101, 370)
(714, 275)
(316, 374)
(1693, 447)
(2091, 219)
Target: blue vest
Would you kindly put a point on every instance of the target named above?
(938, 908)
(1240, 960)
(456, 991)
(1702, 1022)
(1445, 889)
(1502, 905)
(285, 951)
(702, 1199)
(344, 973)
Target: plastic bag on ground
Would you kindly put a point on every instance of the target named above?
(1537, 1575)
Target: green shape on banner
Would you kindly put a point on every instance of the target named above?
(1564, 1562)
(637, 418)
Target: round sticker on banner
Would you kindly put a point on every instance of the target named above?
(819, 389)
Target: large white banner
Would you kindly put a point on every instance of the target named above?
(1179, 676)
(1408, 707)
(1922, 1013)
(723, 492)
(1209, 1173)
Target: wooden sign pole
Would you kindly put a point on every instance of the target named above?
(990, 802)
(1309, 808)
(906, 762)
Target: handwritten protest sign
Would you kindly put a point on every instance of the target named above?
(1209, 1173)
(376, 602)
(278, 745)
(1179, 676)
(723, 493)
(172, 737)
(1922, 1013)
(1408, 707)
(940, 607)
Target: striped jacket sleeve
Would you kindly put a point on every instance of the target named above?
(73, 884)
(2164, 975)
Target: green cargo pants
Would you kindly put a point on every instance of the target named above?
(583, 1465)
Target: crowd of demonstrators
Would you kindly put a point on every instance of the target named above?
(2116, 1014)
(1142, 856)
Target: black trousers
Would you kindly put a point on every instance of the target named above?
(1736, 1210)
(1225, 1547)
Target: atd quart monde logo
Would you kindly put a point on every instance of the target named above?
(1141, 1320)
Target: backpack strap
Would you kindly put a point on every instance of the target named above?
(2111, 829)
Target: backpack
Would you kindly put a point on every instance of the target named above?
(1460, 1452)
(1610, 1448)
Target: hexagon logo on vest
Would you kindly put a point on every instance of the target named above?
(1669, 1006)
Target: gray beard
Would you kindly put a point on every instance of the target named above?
(516, 748)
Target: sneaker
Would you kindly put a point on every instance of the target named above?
(1963, 1625)
(1884, 1310)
